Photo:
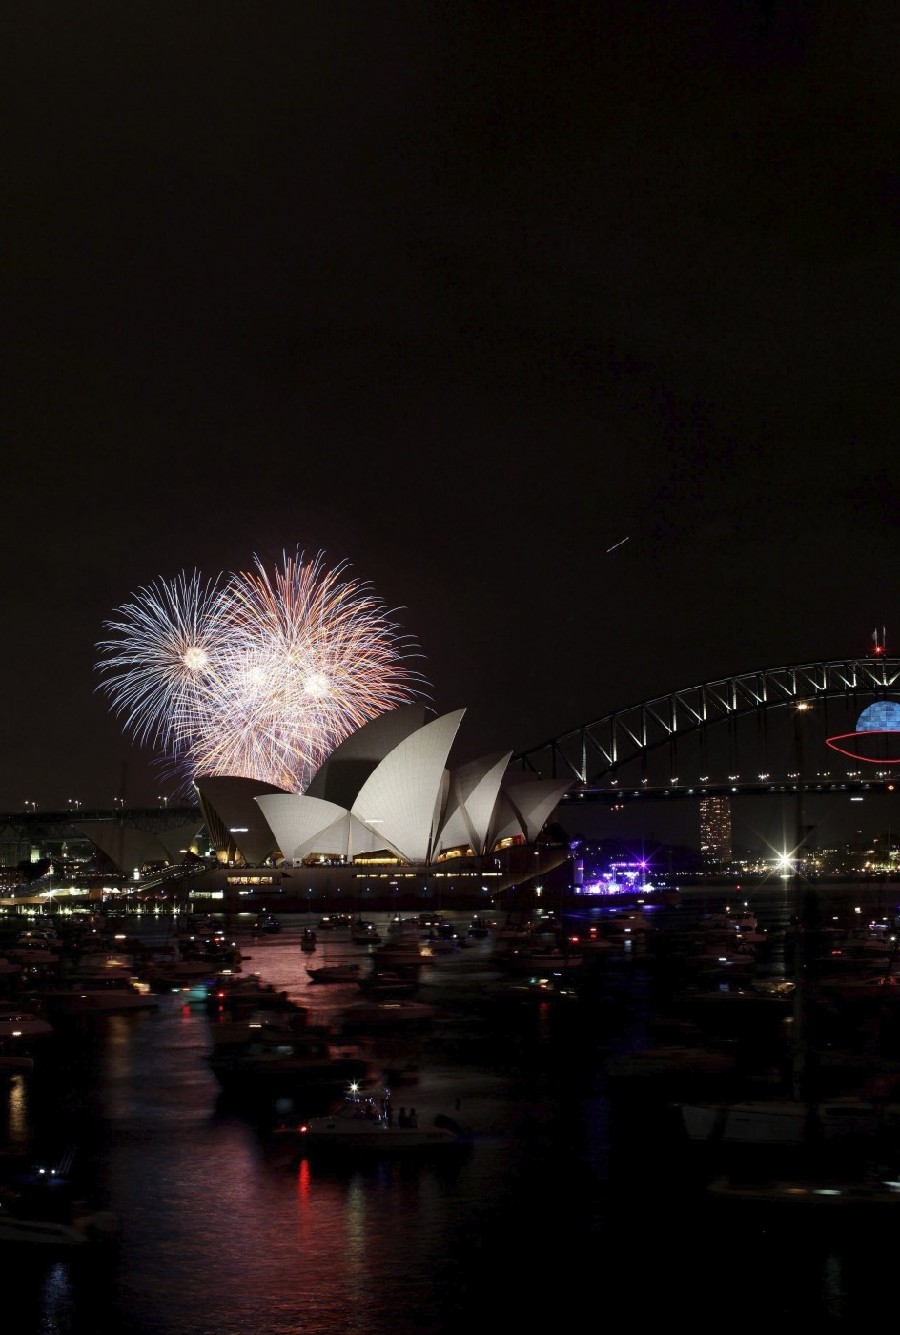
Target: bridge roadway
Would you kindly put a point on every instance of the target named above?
(614, 795)
(63, 825)
(66, 824)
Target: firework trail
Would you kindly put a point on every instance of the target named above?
(257, 676)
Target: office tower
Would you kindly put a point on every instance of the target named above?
(715, 830)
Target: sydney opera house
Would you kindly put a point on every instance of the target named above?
(387, 812)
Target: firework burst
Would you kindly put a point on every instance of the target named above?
(162, 665)
(255, 675)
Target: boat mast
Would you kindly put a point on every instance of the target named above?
(802, 915)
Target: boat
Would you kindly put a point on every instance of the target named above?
(33, 955)
(389, 983)
(881, 988)
(176, 975)
(364, 1123)
(386, 1014)
(589, 941)
(407, 955)
(40, 1210)
(548, 959)
(400, 929)
(17, 1026)
(754, 1011)
(825, 1198)
(334, 973)
(364, 933)
(308, 939)
(98, 993)
(671, 1073)
(541, 990)
(785, 1121)
(444, 940)
(329, 922)
(280, 1056)
(239, 995)
(216, 950)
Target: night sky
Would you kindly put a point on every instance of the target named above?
(572, 328)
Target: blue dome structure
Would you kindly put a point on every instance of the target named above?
(882, 721)
(881, 717)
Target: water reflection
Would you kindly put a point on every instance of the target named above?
(225, 1230)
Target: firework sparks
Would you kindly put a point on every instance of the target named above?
(162, 665)
(256, 676)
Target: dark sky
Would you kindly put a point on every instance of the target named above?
(465, 295)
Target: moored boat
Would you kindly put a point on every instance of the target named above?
(99, 993)
(386, 1014)
(822, 1197)
(389, 983)
(239, 996)
(551, 959)
(39, 1209)
(334, 973)
(478, 928)
(784, 1121)
(365, 933)
(20, 1026)
(273, 1056)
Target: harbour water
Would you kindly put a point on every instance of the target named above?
(564, 1205)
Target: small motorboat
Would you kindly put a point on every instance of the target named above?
(98, 993)
(331, 921)
(334, 973)
(308, 940)
(364, 1123)
(39, 1209)
(824, 1197)
(389, 983)
(17, 1026)
(365, 933)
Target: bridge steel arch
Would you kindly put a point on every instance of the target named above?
(594, 753)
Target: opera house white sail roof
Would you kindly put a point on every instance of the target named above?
(389, 788)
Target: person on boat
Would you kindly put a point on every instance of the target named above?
(403, 1118)
(413, 1118)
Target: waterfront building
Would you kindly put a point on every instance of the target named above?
(715, 831)
(388, 812)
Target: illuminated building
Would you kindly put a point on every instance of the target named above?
(715, 830)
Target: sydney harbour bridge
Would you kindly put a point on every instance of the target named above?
(785, 730)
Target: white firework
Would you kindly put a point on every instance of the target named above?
(253, 676)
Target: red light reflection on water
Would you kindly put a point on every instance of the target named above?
(304, 1183)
